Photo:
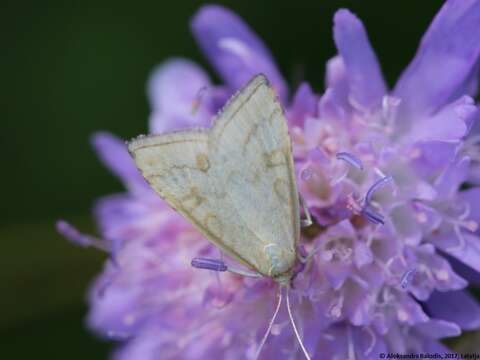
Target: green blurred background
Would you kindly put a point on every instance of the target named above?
(71, 68)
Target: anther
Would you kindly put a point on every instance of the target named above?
(350, 159)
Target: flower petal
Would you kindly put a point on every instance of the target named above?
(438, 329)
(430, 158)
(114, 154)
(336, 83)
(234, 49)
(445, 59)
(363, 255)
(304, 105)
(365, 79)
(449, 124)
(123, 217)
(468, 253)
(409, 311)
(180, 95)
(472, 198)
(403, 219)
(456, 306)
(331, 105)
(452, 178)
(466, 272)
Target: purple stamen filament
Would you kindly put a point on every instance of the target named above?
(372, 215)
(376, 185)
(407, 278)
(209, 264)
(350, 159)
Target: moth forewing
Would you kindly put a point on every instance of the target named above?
(176, 165)
(250, 143)
(235, 182)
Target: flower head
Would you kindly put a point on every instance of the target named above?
(390, 178)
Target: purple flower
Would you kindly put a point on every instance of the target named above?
(390, 179)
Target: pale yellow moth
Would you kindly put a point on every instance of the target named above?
(234, 182)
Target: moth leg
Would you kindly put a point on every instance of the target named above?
(244, 273)
(307, 221)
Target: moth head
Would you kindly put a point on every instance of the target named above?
(281, 260)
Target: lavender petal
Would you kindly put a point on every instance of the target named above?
(234, 49)
(173, 90)
(365, 79)
(457, 306)
(445, 60)
(114, 154)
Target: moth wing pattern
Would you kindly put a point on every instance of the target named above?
(234, 182)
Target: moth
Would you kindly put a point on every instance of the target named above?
(235, 182)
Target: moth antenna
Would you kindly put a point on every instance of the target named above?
(295, 330)
(270, 325)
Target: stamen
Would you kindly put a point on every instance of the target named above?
(379, 172)
(351, 345)
(335, 308)
(373, 216)
(389, 107)
(407, 278)
(350, 159)
(353, 204)
(308, 219)
(198, 99)
(220, 266)
(209, 264)
(421, 217)
(373, 336)
(471, 225)
(461, 240)
(76, 237)
(328, 336)
(339, 178)
(358, 280)
(376, 186)
(441, 275)
(402, 315)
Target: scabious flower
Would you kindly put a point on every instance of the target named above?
(390, 177)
